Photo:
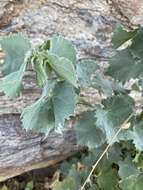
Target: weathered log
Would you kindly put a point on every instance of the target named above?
(21, 151)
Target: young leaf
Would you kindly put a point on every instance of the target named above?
(63, 102)
(85, 69)
(62, 48)
(15, 47)
(121, 36)
(64, 68)
(116, 110)
(41, 73)
(87, 133)
(11, 85)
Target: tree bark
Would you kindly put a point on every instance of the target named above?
(21, 151)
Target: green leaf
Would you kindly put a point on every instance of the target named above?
(94, 187)
(128, 63)
(106, 86)
(121, 36)
(64, 68)
(109, 119)
(63, 102)
(11, 85)
(67, 184)
(137, 136)
(15, 47)
(87, 133)
(62, 48)
(56, 104)
(123, 66)
(137, 45)
(39, 116)
(67, 165)
(133, 182)
(127, 168)
(29, 186)
(78, 175)
(108, 177)
(40, 68)
(85, 69)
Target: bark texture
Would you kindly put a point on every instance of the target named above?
(89, 25)
(21, 152)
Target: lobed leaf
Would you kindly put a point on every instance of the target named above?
(15, 47)
(137, 136)
(85, 69)
(63, 102)
(64, 68)
(56, 104)
(121, 36)
(62, 48)
(116, 110)
(87, 132)
(11, 84)
(127, 168)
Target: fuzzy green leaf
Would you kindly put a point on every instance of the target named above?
(11, 85)
(121, 36)
(78, 176)
(39, 116)
(137, 136)
(137, 45)
(128, 63)
(41, 73)
(15, 47)
(85, 69)
(116, 110)
(108, 177)
(62, 48)
(64, 68)
(124, 66)
(87, 133)
(127, 168)
(56, 104)
(63, 102)
(106, 86)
